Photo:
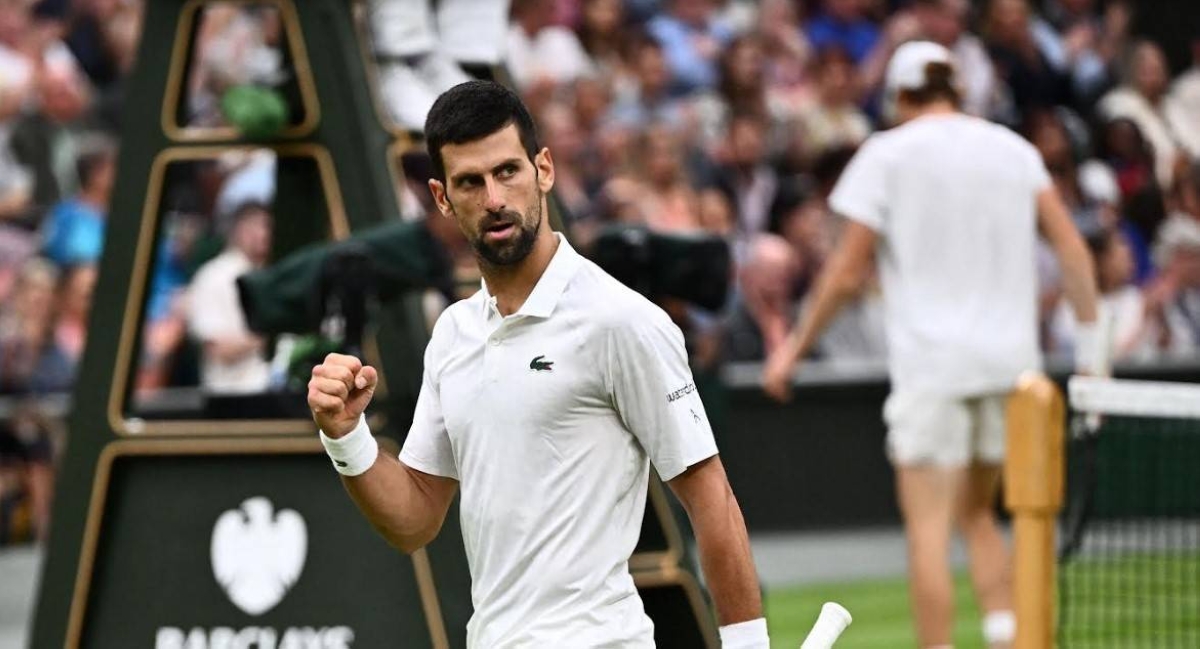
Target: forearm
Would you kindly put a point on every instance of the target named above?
(832, 293)
(1079, 281)
(398, 505)
(728, 564)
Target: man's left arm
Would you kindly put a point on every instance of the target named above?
(724, 553)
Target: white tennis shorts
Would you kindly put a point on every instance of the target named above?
(926, 429)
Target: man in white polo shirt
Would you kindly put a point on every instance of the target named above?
(545, 397)
(948, 206)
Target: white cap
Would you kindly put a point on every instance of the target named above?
(906, 70)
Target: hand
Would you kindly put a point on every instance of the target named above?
(339, 392)
(777, 375)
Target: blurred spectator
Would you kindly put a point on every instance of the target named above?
(236, 45)
(600, 33)
(746, 175)
(844, 24)
(742, 90)
(1021, 62)
(419, 50)
(834, 119)
(692, 38)
(30, 361)
(655, 190)
(1121, 302)
(541, 53)
(1142, 98)
(785, 48)
(91, 41)
(233, 356)
(559, 131)
(643, 95)
(1085, 40)
(74, 230)
(1131, 158)
(1184, 101)
(763, 308)
(74, 305)
(1175, 296)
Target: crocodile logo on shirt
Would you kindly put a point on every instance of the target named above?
(539, 365)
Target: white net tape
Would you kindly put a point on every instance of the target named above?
(1129, 398)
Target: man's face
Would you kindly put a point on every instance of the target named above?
(496, 194)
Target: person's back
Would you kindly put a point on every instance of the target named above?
(957, 249)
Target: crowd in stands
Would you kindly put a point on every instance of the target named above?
(731, 117)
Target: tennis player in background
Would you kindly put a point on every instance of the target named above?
(948, 207)
(545, 397)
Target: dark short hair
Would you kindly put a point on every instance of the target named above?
(939, 86)
(472, 111)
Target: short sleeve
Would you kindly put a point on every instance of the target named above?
(427, 447)
(861, 192)
(1039, 176)
(652, 389)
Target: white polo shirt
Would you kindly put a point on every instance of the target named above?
(954, 200)
(548, 418)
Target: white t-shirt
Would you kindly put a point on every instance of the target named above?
(953, 199)
(548, 418)
(216, 312)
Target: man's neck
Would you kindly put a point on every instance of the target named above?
(511, 285)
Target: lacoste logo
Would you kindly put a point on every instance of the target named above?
(539, 365)
(340, 463)
(257, 554)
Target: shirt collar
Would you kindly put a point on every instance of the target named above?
(549, 287)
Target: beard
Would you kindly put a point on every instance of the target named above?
(517, 247)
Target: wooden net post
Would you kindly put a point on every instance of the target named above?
(1033, 494)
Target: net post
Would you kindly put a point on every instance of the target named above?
(1033, 495)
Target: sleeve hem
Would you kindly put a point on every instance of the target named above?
(414, 462)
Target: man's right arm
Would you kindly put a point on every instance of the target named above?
(1079, 276)
(403, 504)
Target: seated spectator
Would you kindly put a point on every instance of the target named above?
(74, 230)
(642, 95)
(843, 24)
(692, 39)
(746, 175)
(541, 53)
(1085, 41)
(786, 50)
(655, 190)
(1130, 156)
(600, 33)
(1121, 302)
(763, 308)
(1021, 62)
(74, 305)
(232, 356)
(30, 362)
(1174, 298)
(742, 90)
(1184, 100)
(834, 119)
(1142, 98)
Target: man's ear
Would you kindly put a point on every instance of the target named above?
(438, 189)
(545, 166)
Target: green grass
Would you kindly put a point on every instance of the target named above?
(880, 611)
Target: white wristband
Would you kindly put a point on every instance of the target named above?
(353, 453)
(751, 634)
(1090, 356)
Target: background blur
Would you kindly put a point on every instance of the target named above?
(732, 118)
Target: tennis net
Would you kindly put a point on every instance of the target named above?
(1129, 558)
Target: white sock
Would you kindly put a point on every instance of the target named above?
(999, 627)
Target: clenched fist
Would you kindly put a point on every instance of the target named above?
(339, 392)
